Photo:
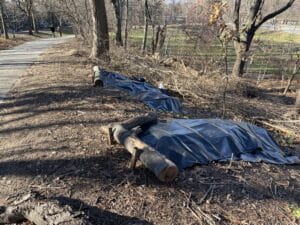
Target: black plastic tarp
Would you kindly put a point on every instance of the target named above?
(143, 91)
(200, 141)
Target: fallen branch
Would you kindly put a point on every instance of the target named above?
(277, 128)
(285, 121)
(209, 190)
(276, 121)
(122, 133)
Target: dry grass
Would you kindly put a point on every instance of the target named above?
(51, 142)
(12, 42)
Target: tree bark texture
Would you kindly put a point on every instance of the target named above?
(297, 104)
(100, 47)
(146, 24)
(3, 21)
(126, 24)
(34, 26)
(118, 12)
(30, 29)
(245, 33)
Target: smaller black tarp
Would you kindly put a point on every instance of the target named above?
(200, 141)
(143, 91)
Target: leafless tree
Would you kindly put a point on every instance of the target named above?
(152, 13)
(3, 21)
(27, 6)
(126, 24)
(33, 18)
(297, 104)
(246, 31)
(76, 12)
(146, 24)
(100, 47)
(118, 7)
(294, 71)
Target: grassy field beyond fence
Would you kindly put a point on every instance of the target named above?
(270, 52)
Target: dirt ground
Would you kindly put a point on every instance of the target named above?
(50, 142)
(12, 42)
(19, 39)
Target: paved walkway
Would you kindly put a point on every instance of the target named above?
(14, 62)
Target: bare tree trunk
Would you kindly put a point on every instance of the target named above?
(145, 35)
(244, 34)
(60, 26)
(297, 105)
(118, 11)
(100, 47)
(293, 75)
(154, 38)
(126, 24)
(158, 38)
(240, 60)
(29, 19)
(29, 5)
(162, 37)
(34, 23)
(3, 22)
(290, 80)
(146, 23)
(241, 50)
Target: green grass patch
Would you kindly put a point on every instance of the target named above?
(296, 211)
(278, 37)
(265, 59)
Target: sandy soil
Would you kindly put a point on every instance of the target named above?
(50, 142)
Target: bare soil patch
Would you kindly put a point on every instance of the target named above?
(50, 142)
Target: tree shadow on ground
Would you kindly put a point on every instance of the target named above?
(60, 94)
(112, 169)
(99, 216)
(66, 99)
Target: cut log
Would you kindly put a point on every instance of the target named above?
(150, 118)
(163, 168)
(129, 125)
(40, 211)
(97, 77)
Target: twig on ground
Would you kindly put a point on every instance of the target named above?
(195, 209)
(209, 190)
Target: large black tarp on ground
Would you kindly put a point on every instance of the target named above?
(143, 91)
(200, 141)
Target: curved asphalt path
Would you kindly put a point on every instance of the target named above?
(14, 62)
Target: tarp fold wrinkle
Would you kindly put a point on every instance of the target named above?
(187, 142)
(143, 91)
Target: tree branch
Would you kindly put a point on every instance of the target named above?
(236, 15)
(21, 6)
(273, 14)
(255, 9)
